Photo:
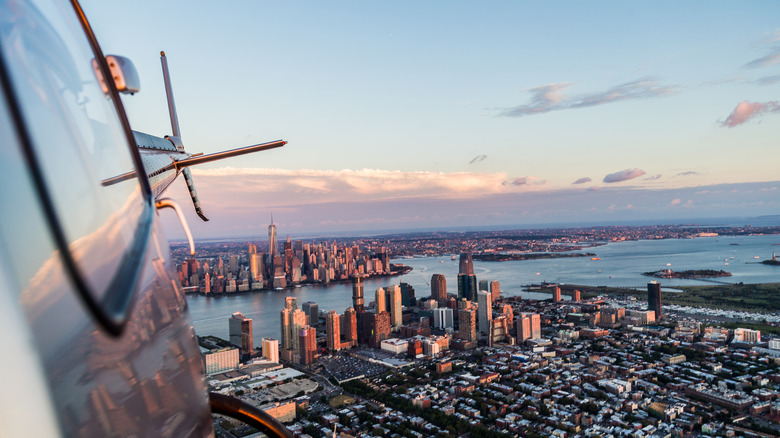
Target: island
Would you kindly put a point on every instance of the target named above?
(504, 257)
(690, 274)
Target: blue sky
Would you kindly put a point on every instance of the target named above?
(413, 115)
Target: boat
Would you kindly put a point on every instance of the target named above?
(668, 264)
(595, 258)
(755, 257)
(454, 257)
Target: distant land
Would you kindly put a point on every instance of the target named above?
(492, 257)
(689, 274)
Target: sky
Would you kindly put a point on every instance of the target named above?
(410, 115)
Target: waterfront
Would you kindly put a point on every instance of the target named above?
(621, 264)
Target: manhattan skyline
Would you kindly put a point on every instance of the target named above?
(409, 116)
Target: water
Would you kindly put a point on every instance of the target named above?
(621, 264)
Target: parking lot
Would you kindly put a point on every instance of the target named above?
(347, 367)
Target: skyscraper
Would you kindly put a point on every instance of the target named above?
(312, 311)
(380, 303)
(528, 326)
(484, 311)
(272, 251)
(357, 294)
(333, 331)
(467, 286)
(467, 320)
(380, 329)
(439, 288)
(240, 328)
(495, 290)
(556, 294)
(394, 305)
(654, 298)
(271, 349)
(349, 326)
(442, 318)
(576, 295)
(466, 265)
(308, 342)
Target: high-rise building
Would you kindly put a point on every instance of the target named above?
(393, 302)
(407, 295)
(357, 294)
(312, 311)
(290, 303)
(333, 331)
(576, 295)
(297, 321)
(439, 288)
(442, 318)
(654, 298)
(256, 268)
(240, 328)
(556, 294)
(466, 265)
(467, 321)
(380, 303)
(495, 290)
(286, 333)
(272, 251)
(484, 311)
(380, 329)
(507, 311)
(349, 326)
(467, 286)
(271, 349)
(308, 342)
(499, 330)
(528, 326)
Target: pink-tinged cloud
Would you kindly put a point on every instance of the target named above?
(624, 175)
(675, 201)
(582, 180)
(549, 97)
(749, 110)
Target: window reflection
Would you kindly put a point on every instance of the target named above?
(76, 133)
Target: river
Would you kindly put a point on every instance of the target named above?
(620, 264)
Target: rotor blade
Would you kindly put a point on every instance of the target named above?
(191, 161)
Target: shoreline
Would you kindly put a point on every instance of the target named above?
(402, 270)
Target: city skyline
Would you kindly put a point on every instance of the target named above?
(423, 116)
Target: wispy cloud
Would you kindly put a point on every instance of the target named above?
(477, 159)
(550, 97)
(772, 58)
(768, 80)
(623, 175)
(520, 181)
(582, 180)
(653, 177)
(749, 110)
(687, 173)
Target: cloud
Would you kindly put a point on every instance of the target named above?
(687, 173)
(653, 178)
(675, 201)
(549, 97)
(748, 110)
(623, 175)
(477, 159)
(520, 181)
(582, 180)
(594, 189)
(767, 80)
(772, 58)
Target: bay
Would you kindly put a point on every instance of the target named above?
(621, 264)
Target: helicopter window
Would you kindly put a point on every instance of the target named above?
(76, 136)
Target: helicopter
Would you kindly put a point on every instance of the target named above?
(99, 339)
